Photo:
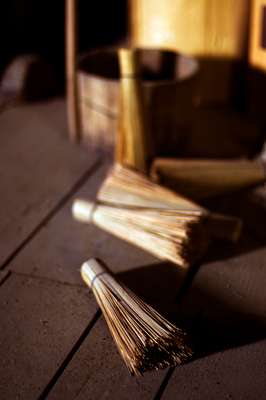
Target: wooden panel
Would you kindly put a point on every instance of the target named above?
(40, 322)
(37, 169)
(99, 127)
(215, 31)
(257, 52)
(206, 27)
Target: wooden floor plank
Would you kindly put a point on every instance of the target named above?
(45, 310)
(98, 372)
(225, 310)
(40, 322)
(233, 279)
(38, 167)
(235, 374)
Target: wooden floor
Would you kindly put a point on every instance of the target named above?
(54, 343)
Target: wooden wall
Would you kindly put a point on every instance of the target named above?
(207, 28)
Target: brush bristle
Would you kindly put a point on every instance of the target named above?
(167, 235)
(154, 218)
(145, 339)
(151, 217)
(129, 188)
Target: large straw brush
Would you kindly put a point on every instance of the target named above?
(155, 219)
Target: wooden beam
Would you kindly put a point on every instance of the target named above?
(73, 112)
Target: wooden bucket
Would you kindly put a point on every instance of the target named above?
(168, 87)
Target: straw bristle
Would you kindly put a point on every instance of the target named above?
(199, 178)
(151, 217)
(126, 187)
(167, 235)
(145, 339)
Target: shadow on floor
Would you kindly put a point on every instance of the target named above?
(249, 205)
(214, 324)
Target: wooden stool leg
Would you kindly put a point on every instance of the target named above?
(73, 112)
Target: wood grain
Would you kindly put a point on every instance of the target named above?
(207, 28)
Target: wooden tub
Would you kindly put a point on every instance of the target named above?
(168, 87)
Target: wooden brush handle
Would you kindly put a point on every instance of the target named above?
(131, 146)
(201, 179)
(91, 269)
(82, 210)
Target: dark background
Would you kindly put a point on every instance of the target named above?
(30, 26)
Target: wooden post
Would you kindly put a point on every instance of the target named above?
(73, 112)
(257, 50)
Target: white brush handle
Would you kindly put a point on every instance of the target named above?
(90, 270)
(82, 210)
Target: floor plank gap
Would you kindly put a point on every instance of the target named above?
(4, 275)
(82, 180)
(46, 278)
(164, 383)
(69, 357)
